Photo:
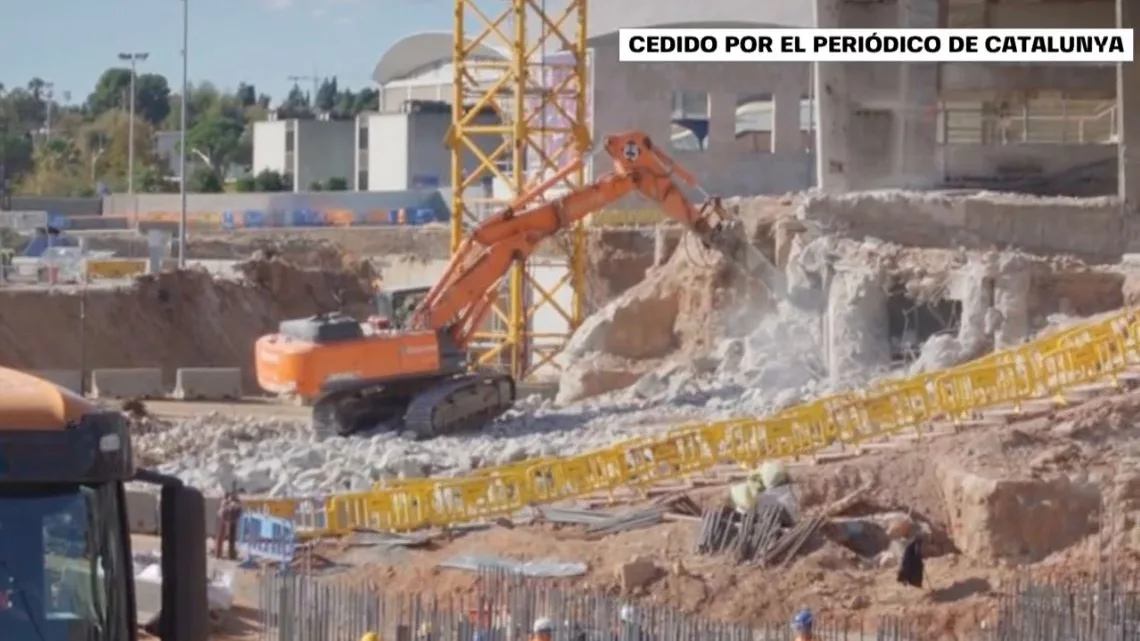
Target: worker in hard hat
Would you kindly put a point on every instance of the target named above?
(803, 624)
(543, 630)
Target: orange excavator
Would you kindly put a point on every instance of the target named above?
(415, 370)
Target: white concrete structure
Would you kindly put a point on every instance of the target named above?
(407, 148)
(742, 129)
(894, 125)
(310, 150)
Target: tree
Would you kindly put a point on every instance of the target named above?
(336, 184)
(109, 134)
(325, 100)
(57, 172)
(112, 91)
(316, 186)
(218, 138)
(153, 98)
(206, 181)
(296, 104)
(269, 180)
(246, 95)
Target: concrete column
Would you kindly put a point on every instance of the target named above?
(1128, 114)
(916, 122)
(832, 110)
(858, 341)
(722, 121)
(786, 131)
(1011, 302)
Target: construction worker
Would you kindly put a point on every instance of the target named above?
(802, 625)
(543, 630)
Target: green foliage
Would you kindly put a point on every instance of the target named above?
(89, 143)
(206, 181)
(316, 186)
(272, 181)
(245, 185)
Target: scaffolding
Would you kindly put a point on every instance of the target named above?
(527, 65)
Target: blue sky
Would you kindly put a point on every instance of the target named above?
(70, 42)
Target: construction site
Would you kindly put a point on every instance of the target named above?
(712, 438)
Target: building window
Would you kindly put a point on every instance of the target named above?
(362, 181)
(362, 138)
(690, 121)
(290, 141)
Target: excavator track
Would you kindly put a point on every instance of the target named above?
(429, 407)
(460, 404)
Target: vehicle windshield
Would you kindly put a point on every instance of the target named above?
(62, 564)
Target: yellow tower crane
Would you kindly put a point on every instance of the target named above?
(522, 83)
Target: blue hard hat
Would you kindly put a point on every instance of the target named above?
(803, 620)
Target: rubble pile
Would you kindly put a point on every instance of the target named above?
(692, 340)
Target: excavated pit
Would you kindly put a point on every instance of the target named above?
(170, 320)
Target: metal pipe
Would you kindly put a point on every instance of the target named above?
(182, 134)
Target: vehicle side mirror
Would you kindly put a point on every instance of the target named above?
(185, 606)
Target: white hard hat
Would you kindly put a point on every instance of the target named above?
(543, 625)
(627, 614)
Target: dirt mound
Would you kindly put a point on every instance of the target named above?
(676, 312)
(170, 320)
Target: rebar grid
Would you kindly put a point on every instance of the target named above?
(504, 607)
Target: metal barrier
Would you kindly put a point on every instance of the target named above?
(504, 608)
(1092, 351)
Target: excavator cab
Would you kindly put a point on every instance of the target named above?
(394, 307)
(66, 569)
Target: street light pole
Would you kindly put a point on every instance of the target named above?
(182, 134)
(134, 59)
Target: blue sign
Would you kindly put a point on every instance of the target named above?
(270, 538)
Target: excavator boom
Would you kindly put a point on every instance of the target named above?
(416, 373)
(462, 297)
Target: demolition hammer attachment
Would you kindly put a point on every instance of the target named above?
(726, 234)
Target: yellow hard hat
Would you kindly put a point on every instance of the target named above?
(370, 636)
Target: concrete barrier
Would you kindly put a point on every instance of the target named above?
(127, 383)
(207, 384)
(68, 379)
(143, 513)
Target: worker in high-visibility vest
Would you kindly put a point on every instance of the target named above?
(803, 625)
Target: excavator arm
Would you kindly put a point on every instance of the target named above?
(463, 296)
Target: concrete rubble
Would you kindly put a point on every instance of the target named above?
(873, 292)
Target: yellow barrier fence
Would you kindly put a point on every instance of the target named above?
(113, 268)
(1092, 351)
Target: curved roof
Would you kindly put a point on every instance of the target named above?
(611, 37)
(419, 50)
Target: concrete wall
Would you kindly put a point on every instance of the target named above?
(1095, 229)
(209, 209)
(961, 80)
(59, 206)
(428, 154)
(639, 96)
(324, 150)
(384, 165)
(410, 151)
(269, 145)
